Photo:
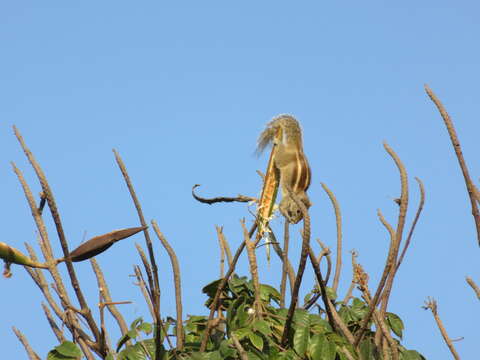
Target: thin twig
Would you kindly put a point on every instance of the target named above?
(56, 330)
(154, 284)
(348, 295)
(301, 267)
(414, 223)
(402, 213)
(239, 198)
(283, 281)
(220, 288)
(32, 355)
(222, 250)
(278, 250)
(458, 151)
(338, 220)
(325, 253)
(432, 305)
(388, 266)
(252, 260)
(143, 288)
(473, 286)
(177, 282)
(102, 284)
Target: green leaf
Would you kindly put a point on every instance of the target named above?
(146, 328)
(301, 334)
(411, 355)
(69, 350)
(268, 293)
(331, 294)
(109, 357)
(263, 327)
(256, 340)
(241, 333)
(211, 289)
(226, 350)
(396, 324)
(320, 348)
(366, 349)
(55, 355)
(135, 323)
(131, 334)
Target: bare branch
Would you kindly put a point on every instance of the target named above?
(432, 305)
(56, 330)
(414, 223)
(473, 286)
(338, 220)
(240, 349)
(301, 266)
(222, 250)
(239, 198)
(283, 281)
(458, 151)
(32, 355)
(154, 284)
(177, 281)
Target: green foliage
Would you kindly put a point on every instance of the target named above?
(311, 335)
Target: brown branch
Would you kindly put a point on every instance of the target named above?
(220, 288)
(283, 281)
(252, 260)
(241, 351)
(352, 283)
(56, 330)
(432, 305)
(102, 285)
(32, 355)
(239, 198)
(388, 266)
(143, 288)
(400, 226)
(177, 281)
(61, 235)
(473, 286)
(325, 253)
(278, 250)
(414, 223)
(301, 267)
(154, 285)
(222, 250)
(338, 220)
(458, 151)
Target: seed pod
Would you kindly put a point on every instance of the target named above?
(99, 244)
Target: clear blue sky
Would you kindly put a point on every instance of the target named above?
(182, 90)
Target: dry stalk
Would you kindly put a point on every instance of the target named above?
(325, 253)
(283, 281)
(301, 267)
(177, 282)
(352, 283)
(252, 260)
(102, 284)
(32, 355)
(432, 305)
(220, 288)
(338, 220)
(143, 288)
(154, 285)
(473, 286)
(222, 250)
(86, 313)
(400, 226)
(458, 152)
(56, 330)
(414, 223)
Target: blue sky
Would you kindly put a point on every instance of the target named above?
(182, 90)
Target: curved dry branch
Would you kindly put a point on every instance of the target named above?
(239, 198)
(283, 281)
(325, 253)
(338, 220)
(400, 225)
(301, 266)
(177, 281)
(414, 223)
(473, 286)
(222, 250)
(458, 151)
